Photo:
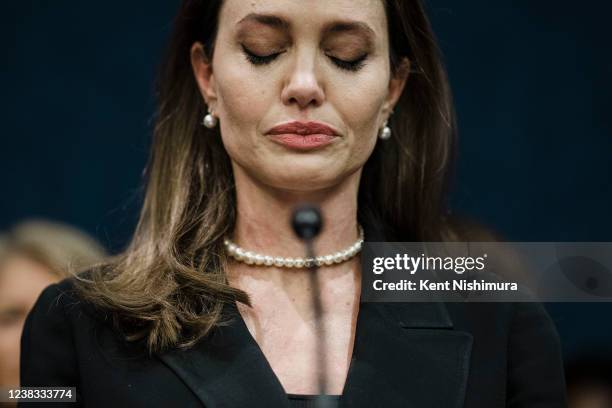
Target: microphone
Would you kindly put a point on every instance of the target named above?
(307, 223)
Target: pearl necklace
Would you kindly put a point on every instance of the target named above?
(253, 258)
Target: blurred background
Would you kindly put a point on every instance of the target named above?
(531, 81)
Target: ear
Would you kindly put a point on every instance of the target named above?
(203, 72)
(396, 86)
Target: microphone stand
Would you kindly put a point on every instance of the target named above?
(307, 223)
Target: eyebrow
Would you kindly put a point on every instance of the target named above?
(336, 26)
(267, 19)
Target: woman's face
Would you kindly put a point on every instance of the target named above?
(21, 281)
(329, 63)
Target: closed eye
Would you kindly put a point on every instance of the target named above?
(353, 65)
(259, 59)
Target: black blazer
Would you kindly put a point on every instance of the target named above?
(425, 355)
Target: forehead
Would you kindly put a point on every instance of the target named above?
(309, 14)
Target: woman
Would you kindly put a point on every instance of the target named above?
(33, 255)
(296, 104)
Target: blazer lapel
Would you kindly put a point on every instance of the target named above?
(228, 369)
(406, 354)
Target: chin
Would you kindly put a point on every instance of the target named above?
(303, 181)
(299, 173)
(309, 180)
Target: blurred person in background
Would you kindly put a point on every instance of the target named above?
(589, 381)
(33, 255)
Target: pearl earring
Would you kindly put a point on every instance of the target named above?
(210, 120)
(385, 133)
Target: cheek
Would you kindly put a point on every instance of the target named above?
(243, 100)
(359, 101)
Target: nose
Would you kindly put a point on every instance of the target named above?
(302, 86)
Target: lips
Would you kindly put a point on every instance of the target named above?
(303, 128)
(303, 136)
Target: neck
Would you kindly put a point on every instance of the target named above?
(263, 223)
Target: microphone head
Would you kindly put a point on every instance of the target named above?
(307, 221)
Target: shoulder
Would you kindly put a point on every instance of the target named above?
(53, 306)
(57, 297)
(520, 337)
(61, 328)
(58, 316)
(47, 343)
(62, 300)
(535, 364)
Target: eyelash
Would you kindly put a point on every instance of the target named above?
(352, 66)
